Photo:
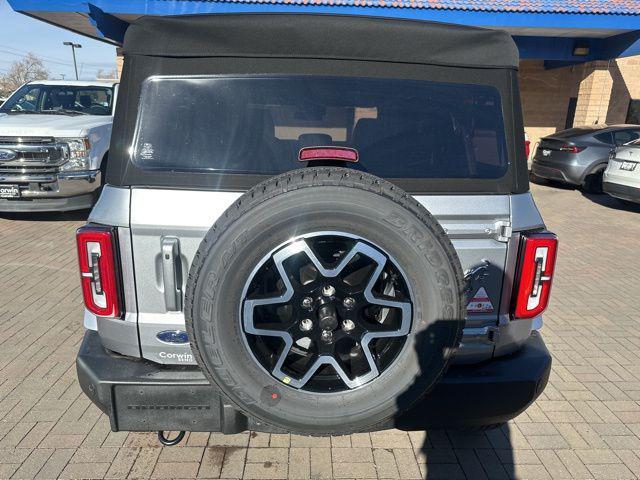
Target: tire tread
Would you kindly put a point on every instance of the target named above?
(311, 178)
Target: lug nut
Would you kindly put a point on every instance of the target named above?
(348, 325)
(356, 351)
(327, 336)
(306, 324)
(328, 291)
(349, 302)
(307, 302)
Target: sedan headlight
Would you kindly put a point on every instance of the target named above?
(78, 153)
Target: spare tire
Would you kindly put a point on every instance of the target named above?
(307, 299)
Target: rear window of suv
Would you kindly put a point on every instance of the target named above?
(258, 124)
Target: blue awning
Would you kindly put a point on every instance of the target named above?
(561, 31)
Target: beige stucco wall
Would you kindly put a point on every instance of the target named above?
(625, 73)
(545, 96)
(594, 93)
(603, 90)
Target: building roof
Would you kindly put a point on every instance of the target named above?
(599, 7)
(543, 29)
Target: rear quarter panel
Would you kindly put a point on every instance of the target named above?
(479, 227)
(474, 224)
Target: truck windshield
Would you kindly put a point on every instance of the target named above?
(60, 100)
(258, 125)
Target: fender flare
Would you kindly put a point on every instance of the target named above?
(598, 167)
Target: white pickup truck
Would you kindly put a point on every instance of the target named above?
(54, 142)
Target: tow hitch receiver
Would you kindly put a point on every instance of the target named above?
(162, 438)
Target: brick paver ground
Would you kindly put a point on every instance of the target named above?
(585, 425)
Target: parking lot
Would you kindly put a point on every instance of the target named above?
(585, 425)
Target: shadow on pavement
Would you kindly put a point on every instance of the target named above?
(73, 216)
(467, 454)
(551, 183)
(611, 202)
(451, 454)
(598, 198)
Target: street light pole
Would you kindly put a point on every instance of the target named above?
(73, 51)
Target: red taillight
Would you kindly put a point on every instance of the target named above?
(344, 154)
(98, 273)
(533, 285)
(527, 148)
(571, 148)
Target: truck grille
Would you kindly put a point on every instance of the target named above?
(31, 155)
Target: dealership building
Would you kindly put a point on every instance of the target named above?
(580, 59)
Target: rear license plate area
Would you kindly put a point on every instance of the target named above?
(167, 407)
(9, 191)
(628, 166)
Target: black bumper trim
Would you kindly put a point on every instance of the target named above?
(139, 395)
(624, 192)
(487, 393)
(47, 204)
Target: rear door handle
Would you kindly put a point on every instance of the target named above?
(172, 273)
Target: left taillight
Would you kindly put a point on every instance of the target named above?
(98, 270)
(535, 274)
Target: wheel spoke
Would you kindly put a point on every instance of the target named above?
(353, 362)
(249, 311)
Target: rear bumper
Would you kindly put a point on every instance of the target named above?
(624, 192)
(487, 393)
(51, 192)
(138, 395)
(566, 173)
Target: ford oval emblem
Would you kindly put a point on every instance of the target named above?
(174, 337)
(6, 155)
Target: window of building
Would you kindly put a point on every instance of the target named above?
(633, 113)
(571, 112)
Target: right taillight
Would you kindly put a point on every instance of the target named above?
(535, 274)
(98, 270)
(571, 148)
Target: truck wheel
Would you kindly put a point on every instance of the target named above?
(307, 298)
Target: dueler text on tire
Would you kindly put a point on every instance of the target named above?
(307, 299)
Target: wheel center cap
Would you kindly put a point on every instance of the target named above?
(327, 317)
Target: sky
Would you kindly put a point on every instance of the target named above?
(20, 35)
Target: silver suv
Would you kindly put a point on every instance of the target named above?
(579, 156)
(314, 224)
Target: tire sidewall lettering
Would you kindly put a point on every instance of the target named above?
(223, 259)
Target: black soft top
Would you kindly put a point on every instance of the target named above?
(316, 45)
(321, 37)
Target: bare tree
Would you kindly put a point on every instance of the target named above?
(107, 74)
(27, 69)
